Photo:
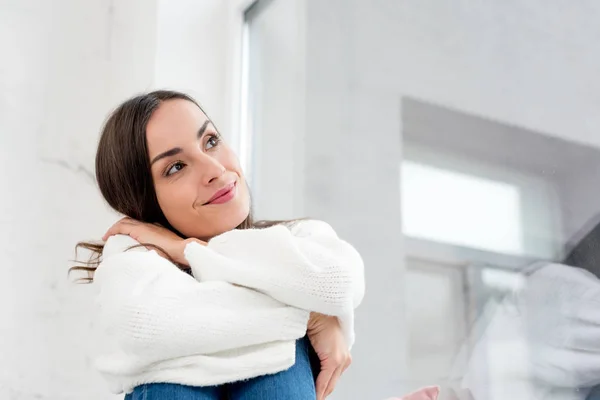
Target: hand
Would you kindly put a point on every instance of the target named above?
(325, 335)
(153, 234)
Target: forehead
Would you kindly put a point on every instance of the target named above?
(174, 122)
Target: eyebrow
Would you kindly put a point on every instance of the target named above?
(177, 150)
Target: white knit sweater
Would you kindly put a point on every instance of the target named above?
(239, 315)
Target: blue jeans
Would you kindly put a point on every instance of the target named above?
(295, 383)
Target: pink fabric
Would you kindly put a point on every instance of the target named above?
(426, 393)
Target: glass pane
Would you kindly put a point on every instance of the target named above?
(456, 208)
(436, 319)
(273, 103)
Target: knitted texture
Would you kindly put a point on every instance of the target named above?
(237, 317)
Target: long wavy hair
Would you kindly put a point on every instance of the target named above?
(123, 172)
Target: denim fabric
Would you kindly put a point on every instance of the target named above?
(296, 383)
(173, 391)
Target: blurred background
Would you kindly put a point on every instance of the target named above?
(452, 142)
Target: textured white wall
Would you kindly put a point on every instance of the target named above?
(191, 54)
(64, 65)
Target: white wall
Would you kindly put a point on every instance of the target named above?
(65, 63)
(198, 51)
(191, 52)
(580, 206)
(531, 64)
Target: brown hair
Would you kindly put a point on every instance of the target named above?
(123, 170)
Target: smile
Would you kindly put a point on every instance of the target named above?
(223, 195)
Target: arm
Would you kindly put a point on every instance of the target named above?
(307, 267)
(158, 312)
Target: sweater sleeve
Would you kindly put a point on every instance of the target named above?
(157, 312)
(306, 266)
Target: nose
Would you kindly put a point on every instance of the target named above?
(210, 169)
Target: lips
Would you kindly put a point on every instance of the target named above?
(223, 195)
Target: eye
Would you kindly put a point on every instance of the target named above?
(213, 141)
(174, 168)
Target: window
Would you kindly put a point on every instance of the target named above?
(436, 318)
(271, 141)
(473, 214)
(456, 208)
(474, 204)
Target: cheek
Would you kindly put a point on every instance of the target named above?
(243, 198)
(229, 160)
(175, 200)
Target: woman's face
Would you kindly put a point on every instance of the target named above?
(198, 180)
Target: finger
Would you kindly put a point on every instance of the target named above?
(121, 227)
(333, 381)
(113, 230)
(323, 382)
(129, 221)
(110, 232)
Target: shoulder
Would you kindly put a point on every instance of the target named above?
(118, 244)
(122, 266)
(121, 258)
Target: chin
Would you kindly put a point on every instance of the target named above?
(236, 218)
(231, 219)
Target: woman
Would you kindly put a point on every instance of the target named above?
(234, 325)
